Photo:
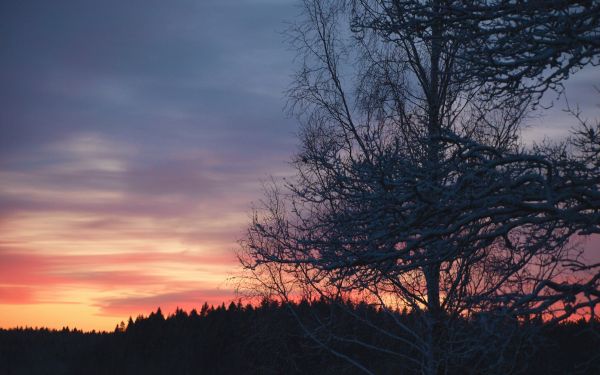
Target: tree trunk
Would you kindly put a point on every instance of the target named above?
(434, 365)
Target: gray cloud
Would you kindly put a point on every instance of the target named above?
(143, 71)
(175, 107)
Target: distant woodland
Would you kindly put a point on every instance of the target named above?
(267, 339)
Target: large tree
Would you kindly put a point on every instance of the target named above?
(413, 192)
(516, 47)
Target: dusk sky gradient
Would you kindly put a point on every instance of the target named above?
(134, 136)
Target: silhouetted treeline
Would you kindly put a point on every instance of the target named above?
(264, 339)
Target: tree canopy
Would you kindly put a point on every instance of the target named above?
(412, 188)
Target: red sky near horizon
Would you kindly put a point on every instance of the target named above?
(133, 140)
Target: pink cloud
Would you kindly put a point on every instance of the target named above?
(168, 302)
(42, 262)
(27, 272)
(27, 269)
(17, 295)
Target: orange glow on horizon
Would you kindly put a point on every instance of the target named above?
(106, 245)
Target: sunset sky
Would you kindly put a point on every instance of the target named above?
(134, 136)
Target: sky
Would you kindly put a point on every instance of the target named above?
(134, 136)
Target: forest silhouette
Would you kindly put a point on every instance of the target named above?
(267, 339)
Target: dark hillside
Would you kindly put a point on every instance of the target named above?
(249, 340)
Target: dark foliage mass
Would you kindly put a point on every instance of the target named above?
(265, 339)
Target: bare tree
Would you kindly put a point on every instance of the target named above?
(516, 47)
(413, 192)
